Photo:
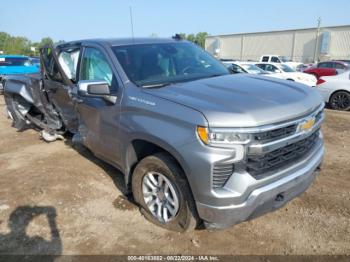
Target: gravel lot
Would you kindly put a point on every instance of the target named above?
(55, 199)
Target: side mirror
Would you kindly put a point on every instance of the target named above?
(96, 88)
(231, 70)
(277, 71)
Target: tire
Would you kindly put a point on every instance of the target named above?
(186, 217)
(340, 101)
(13, 101)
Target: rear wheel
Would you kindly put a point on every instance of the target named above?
(340, 101)
(162, 191)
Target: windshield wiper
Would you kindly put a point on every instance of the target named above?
(156, 85)
(214, 75)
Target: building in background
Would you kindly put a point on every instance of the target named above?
(301, 45)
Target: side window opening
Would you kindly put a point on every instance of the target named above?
(339, 66)
(269, 68)
(265, 59)
(325, 65)
(262, 66)
(275, 59)
(94, 66)
(51, 67)
(69, 62)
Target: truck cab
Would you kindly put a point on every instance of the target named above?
(196, 144)
(279, 59)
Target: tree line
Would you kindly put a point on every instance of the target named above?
(198, 38)
(23, 46)
(20, 45)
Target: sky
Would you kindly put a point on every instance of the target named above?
(79, 19)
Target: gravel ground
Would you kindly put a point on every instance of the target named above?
(55, 199)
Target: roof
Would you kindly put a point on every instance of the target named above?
(124, 41)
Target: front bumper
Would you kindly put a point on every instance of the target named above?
(293, 181)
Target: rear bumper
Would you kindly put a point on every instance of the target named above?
(265, 198)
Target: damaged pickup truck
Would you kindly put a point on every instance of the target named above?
(197, 146)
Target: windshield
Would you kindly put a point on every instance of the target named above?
(284, 59)
(287, 69)
(35, 61)
(253, 69)
(166, 63)
(12, 61)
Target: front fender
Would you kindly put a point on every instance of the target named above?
(20, 86)
(157, 141)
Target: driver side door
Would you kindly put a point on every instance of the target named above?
(58, 84)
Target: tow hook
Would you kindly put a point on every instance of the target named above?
(279, 197)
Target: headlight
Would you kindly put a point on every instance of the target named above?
(222, 137)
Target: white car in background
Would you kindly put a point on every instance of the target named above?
(249, 68)
(280, 59)
(288, 73)
(335, 90)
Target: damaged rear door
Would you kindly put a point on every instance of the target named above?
(59, 67)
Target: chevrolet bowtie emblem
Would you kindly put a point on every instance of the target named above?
(307, 124)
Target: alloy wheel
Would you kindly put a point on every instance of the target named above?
(160, 196)
(341, 101)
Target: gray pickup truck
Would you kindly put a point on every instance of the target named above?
(197, 145)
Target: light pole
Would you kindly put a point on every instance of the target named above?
(317, 36)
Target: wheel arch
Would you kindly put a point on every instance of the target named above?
(139, 148)
(336, 91)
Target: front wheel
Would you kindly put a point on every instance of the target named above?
(17, 108)
(162, 191)
(340, 101)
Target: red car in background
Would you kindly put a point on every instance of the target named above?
(318, 71)
(328, 68)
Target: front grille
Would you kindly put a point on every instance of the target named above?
(221, 173)
(275, 134)
(318, 116)
(262, 164)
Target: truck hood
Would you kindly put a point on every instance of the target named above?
(243, 100)
(11, 70)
